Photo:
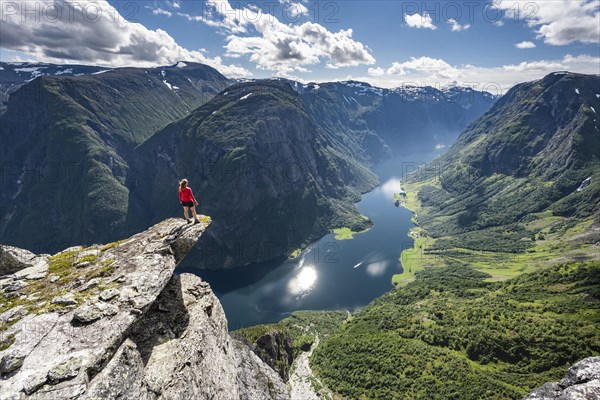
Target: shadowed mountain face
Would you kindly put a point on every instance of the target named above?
(66, 144)
(260, 163)
(93, 158)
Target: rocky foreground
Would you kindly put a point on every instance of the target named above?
(114, 321)
(582, 382)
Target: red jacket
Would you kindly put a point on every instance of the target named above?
(187, 195)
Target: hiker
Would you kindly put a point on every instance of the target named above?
(187, 199)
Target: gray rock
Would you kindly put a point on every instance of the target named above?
(37, 270)
(83, 264)
(87, 313)
(122, 378)
(13, 314)
(108, 309)
(65, 300)
(13, 259)
(11, 362)
(15, 286)
(33, 383)
(109, 294)
(156, 336)
(89, 284)
(67, 369)
(6, 281)
(582, 382)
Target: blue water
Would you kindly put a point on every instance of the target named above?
(330, 274)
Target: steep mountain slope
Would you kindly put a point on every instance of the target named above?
(114, 322)
(450, 335)
(66, 143)
(406, 119)
(524, 178)
(259, 162)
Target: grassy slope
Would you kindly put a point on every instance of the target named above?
(301, 326)
(555, 240)
(503, 199)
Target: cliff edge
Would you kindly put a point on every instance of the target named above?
(114, 321)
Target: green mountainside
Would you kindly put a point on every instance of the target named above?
(261, 166)
(520, 188)
(451, 335)
(66, 145)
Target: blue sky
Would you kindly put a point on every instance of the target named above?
(387, 43)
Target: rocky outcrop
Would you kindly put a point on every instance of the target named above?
(113, 321)
(13, 259)
(275, 349)
(582, 382)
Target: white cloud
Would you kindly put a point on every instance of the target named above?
(545, 66)
(435, 68)
(420, 21)
(456, 26)
(376, 71)
(525, 45)
(558, 22)
(497, 80)
(294, 10)
(175, 4)
(284, 48)
(95, 33)
(160, 11)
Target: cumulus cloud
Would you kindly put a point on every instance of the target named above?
(456, 26)
(547, 66)
(525, 45)
(497, 80)
(94, 32)
(294, 10)
(420, 21)
(280, 47)
(558, 22)
(435, 68)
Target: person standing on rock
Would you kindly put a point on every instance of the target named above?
(187, 199)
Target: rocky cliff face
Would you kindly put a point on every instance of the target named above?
(582, 382)
(114, 322)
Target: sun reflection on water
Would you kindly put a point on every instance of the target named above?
(304, 281)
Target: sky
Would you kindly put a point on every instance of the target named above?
(489, 44)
